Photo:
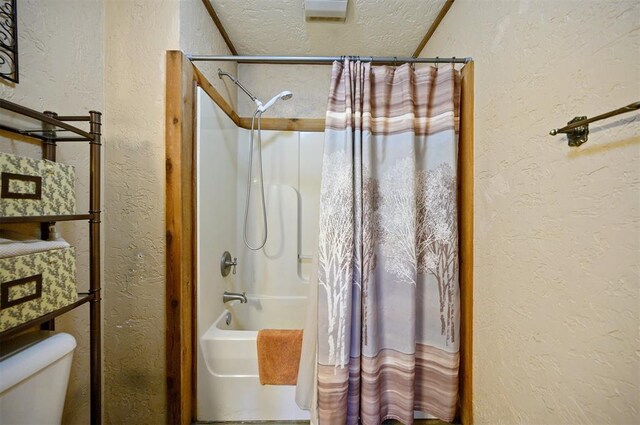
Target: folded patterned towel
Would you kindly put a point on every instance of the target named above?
(279, 356)
(13, 244)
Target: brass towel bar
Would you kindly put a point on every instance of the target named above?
(577, 129)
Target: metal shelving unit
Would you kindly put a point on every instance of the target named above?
(45, 218)
(50, 126)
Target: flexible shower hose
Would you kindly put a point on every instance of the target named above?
(258, 113)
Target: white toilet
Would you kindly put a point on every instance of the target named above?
(34, 373)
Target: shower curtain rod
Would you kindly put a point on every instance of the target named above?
(323, 60)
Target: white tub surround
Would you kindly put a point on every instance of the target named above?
(232, 389)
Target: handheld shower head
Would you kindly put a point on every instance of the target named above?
(285, 95)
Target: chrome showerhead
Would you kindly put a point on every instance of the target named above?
(285, 95)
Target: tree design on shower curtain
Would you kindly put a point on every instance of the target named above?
(370, 232)
(410, 215)
(396, 217)
(335, 249)
(418, 224)
(437, 237)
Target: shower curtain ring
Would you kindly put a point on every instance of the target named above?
(437, 59)
(395, 61)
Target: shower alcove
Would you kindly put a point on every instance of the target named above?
(199, 340)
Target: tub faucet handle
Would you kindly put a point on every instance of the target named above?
(226, 263)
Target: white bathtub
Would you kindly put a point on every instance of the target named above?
(232, 390)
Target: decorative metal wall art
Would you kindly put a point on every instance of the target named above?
(9, 40)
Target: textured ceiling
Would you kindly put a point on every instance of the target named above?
(372, 27)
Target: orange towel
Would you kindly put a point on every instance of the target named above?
(279, 356)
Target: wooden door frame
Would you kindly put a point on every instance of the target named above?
(183, 78)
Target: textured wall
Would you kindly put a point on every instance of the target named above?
(63, 71)
(137, 36)
(557, 230)
(199, 36)
(309, 84)
(138, 32)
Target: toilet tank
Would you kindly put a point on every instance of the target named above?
(34, 373)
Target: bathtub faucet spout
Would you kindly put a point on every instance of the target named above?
(234, 296)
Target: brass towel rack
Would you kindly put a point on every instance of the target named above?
(577, 129)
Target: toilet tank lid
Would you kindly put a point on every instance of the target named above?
(35, 357)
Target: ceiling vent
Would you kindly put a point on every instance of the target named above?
(325, 9)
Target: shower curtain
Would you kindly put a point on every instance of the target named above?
(383, 332)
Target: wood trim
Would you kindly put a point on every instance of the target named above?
(218, 23)
(281, 124)
(287, 124)
(434, 25)
(219, 100)
(180, 239)
(466, 167)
